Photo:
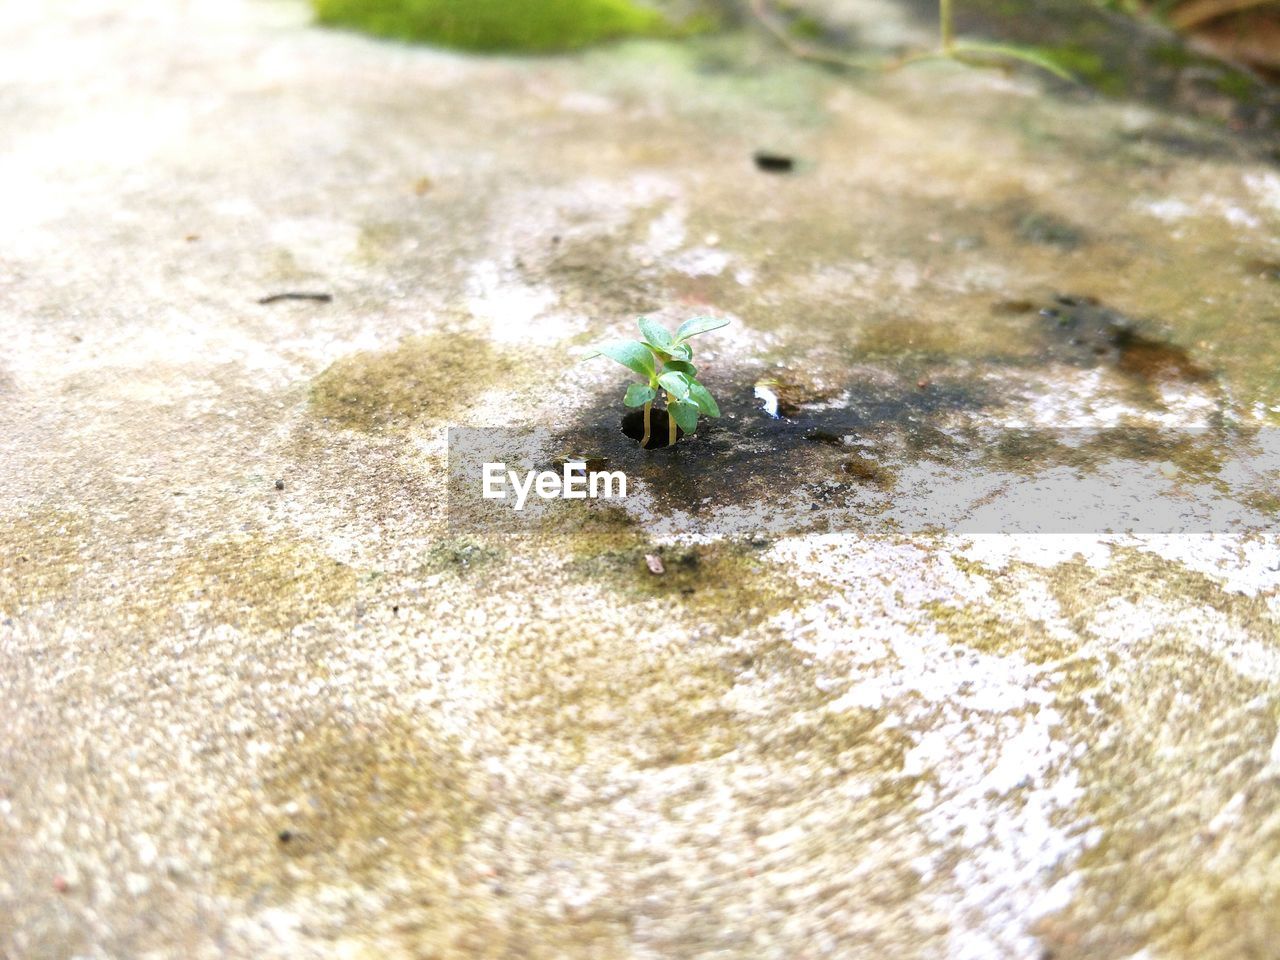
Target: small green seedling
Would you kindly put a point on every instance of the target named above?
(665, 361)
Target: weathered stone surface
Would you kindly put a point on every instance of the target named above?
(323, 721)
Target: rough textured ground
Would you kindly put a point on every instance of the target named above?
(325, 721)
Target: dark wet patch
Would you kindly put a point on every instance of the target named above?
(1047, 229)
(835, 443)
(1083, 332)
(632, 426)
(748, 456)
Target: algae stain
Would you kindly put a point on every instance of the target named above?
(1189, 840)
(728, 581)
(594, 698)
(459, 556)
(41, 557)
(498, 25)
(1135, 575)
(1175, 736)
(992, 629)
(660, 697)
(342, 803)
(256, 583)
(423, 378)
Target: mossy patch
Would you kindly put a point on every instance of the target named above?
(254, 583)
(340, 803)
(459, 556)
(1176, 738)
(1087, 65)
(731, 579)
(497, 25)
(41, 556)
(996, 628)
(595, 697)
(422, 379)
(1189, 843)
(1135, 575)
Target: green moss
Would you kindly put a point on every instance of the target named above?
(256, 584)
(460, 556)
(424, 378)
(1237, 86)
(519, 25)
(41, 557)
(1087, 65)
(343, 802)
(1174, 55)
(720, 580)
(805, 27)
(1169, 787)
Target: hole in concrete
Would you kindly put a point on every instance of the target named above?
(633, 427)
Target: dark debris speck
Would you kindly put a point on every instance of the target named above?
(774, 162)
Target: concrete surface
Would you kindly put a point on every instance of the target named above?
(329, 720)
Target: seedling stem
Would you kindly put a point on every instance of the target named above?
(665, 363)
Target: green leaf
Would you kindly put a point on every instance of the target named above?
(681, 366)
(968, 51)
(691, 328)
(657, 335)
(681, 351)
(638, 394)
(676, 384)
(631, 354)
(686, 415)
(702, 397)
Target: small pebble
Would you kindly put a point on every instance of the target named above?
(279, 484)
(654, 563)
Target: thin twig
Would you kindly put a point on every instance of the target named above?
(297, 295)
(974, 54)
(760, 10)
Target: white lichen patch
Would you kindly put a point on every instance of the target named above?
(994, 772)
